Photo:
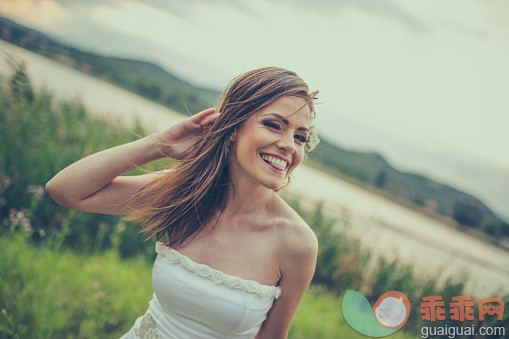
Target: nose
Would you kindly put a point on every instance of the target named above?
(287, 143)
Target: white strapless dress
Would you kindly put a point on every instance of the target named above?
(193, 300)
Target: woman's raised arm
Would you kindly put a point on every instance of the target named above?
(94, 183)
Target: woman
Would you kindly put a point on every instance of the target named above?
(237, 259)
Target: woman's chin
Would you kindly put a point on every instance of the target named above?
(273, 185)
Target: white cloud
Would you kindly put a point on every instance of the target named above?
(44, 15)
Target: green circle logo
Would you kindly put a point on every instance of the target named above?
(389, 314)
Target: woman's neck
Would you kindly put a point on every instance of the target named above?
(246, 200)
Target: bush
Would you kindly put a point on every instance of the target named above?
(39, 136)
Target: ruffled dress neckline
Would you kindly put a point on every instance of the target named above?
(215, 275)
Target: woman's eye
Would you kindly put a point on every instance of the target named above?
(272, 125)
(301, 138)
(276, 126)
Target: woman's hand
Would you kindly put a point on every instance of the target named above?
(177, 141)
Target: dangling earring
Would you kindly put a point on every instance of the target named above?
(227, 152)
(286, 183)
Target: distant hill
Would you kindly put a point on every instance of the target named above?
(143, 78)
(370, 170)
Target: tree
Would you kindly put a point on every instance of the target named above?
(467, 214)
(19, 82)
(381, 179)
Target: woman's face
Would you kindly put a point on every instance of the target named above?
(270, 144)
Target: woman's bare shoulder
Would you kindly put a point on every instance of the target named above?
(289, 216)
(295, 235)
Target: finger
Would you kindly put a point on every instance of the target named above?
(202, 115)
(209, 120)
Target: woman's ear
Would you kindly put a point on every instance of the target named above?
(233, 136)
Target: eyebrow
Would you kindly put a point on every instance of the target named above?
(286, 122)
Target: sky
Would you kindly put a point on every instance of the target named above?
(424, 83)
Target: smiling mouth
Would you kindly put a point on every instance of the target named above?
(276, 163)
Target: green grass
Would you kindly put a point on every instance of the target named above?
(51, 294)
(61, 294)
(47, 293)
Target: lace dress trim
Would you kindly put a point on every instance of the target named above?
(217, 276)
(147, 328)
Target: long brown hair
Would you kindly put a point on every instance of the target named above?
(179, 203)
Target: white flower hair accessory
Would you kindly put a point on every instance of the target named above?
(312, 140)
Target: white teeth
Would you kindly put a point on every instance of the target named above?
(276, 161)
